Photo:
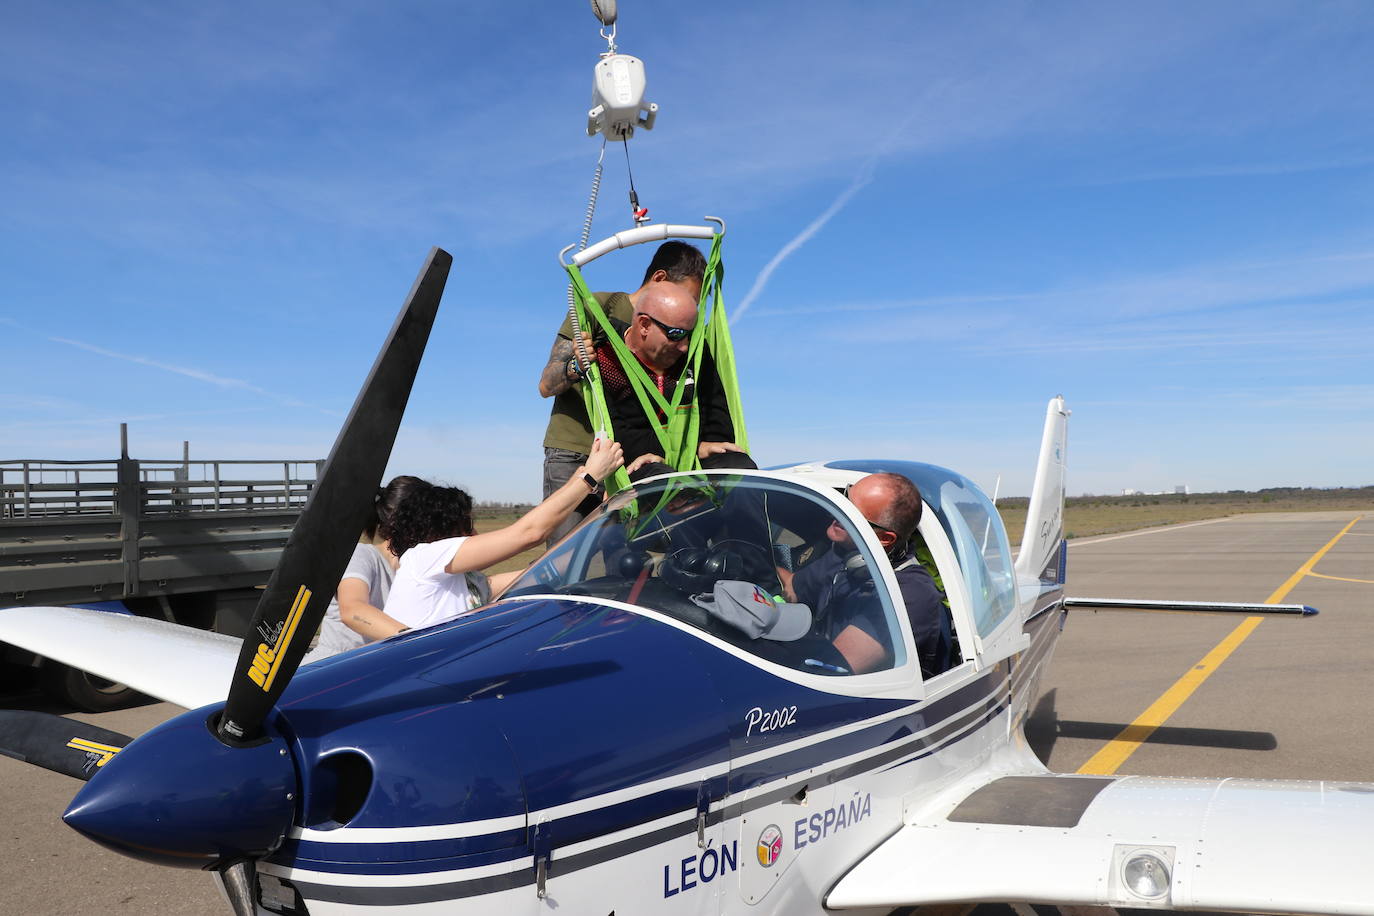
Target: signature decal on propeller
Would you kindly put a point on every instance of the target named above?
(268, 659)
(97, 755)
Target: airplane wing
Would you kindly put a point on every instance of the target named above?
(178, 664)
(1246, 845)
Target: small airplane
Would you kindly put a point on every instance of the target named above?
(596, 741)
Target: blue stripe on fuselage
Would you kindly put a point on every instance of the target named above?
(636, 701)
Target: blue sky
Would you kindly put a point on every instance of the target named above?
(940, 215)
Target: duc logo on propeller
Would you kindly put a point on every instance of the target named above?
(268, 658)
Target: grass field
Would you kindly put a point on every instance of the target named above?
(1085, 516)
(517, 562)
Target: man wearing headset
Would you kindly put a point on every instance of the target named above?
(840, 589)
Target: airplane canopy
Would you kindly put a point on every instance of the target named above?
(711, 550)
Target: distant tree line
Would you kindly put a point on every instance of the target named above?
(1301, 495)
(497, 509)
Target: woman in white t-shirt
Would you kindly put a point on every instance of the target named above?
(354, 616)
(434, 538)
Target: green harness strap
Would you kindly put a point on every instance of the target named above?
(679, 435)
(721, 346)
(683, 421)
(644, 387)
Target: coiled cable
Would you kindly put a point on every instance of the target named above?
(579, 345)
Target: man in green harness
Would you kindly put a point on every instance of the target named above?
(655, 323)
(657, 338)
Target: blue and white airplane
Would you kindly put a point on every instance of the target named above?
(596, 742)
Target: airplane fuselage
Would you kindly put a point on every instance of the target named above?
(674, 776)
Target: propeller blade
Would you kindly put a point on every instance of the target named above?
(317, 552)
(64, 746)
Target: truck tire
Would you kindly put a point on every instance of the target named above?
(85, 691)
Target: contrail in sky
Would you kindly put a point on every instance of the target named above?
(861, 178)
(197, 374)
(864, 176)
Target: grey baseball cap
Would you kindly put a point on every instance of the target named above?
(750, 609)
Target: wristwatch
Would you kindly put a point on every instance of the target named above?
(590, 481)
(572, 370)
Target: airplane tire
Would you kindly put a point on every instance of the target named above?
(85, 691)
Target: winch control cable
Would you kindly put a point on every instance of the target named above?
(579, 343)
(639, 214)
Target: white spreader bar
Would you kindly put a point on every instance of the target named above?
(640, 235)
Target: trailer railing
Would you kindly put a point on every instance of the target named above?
(44, 489)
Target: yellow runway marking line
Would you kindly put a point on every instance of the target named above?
(1110, 758)
(1341, 579)
(1306, 568)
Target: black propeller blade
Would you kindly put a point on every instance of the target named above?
(317, 552)
(64, 746)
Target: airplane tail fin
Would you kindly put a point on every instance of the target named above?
(1041, 555)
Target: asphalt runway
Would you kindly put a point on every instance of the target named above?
(47, 868)
(1291, 699)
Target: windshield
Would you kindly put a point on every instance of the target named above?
(767, 565)
(981, 542)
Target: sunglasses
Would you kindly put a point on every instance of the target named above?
(876, 527)
(880, 529)
(670, 332)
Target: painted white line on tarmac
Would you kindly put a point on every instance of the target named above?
(1131, 534)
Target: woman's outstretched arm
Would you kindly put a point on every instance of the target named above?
(482, 550)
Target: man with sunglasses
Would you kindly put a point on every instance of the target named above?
(658, 335)
(839, 586)
(675, 266)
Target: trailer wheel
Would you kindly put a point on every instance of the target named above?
(84, 690)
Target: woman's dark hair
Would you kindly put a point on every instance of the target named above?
(429, 515)
(389, 498)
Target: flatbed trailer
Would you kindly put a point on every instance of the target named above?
(192, 542)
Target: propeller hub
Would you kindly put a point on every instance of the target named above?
(178, 796)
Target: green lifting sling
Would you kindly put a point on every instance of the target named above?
(679, 435)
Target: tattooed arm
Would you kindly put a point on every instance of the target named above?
(358, 614)
(555, 379)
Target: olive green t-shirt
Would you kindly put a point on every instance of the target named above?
(569, 426)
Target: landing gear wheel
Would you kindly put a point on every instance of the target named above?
(83, 690)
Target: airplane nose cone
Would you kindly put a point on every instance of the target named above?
(177, 796)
